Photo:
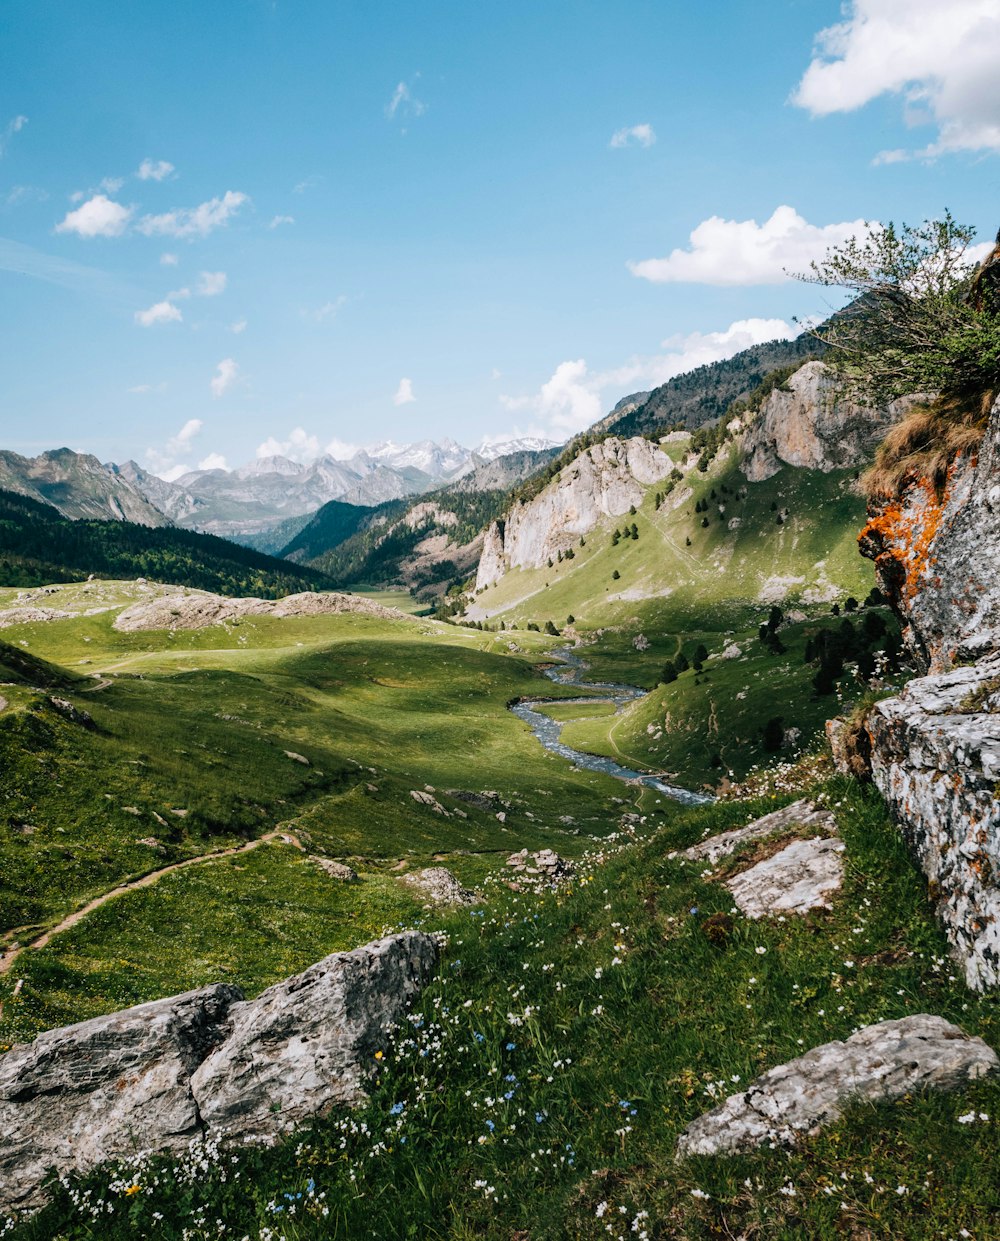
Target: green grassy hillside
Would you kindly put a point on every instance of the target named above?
(199, 741)
(540, 1087)
(706, 568)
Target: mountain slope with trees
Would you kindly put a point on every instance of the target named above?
(38, 546)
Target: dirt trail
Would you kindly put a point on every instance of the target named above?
(14, 951)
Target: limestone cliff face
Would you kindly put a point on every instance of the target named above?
(603, 481)
(936, 746)
(810, 423)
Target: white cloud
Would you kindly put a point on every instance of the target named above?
(404, 104)
(300, 446)
(140, 389)
(633, 135)
(9, 130)
(732, 252)
(224, 377)
(194, 221)
(404, 393)
(940, 59)
(18, 194)
(164, 461)
(111, 185)
(98, 217)
(341, 450)
(238, 327)
(278, 220)
(169, 260)
(211, 283)
(214, 461)
(574, 397)
(178, 294)
(328, 310)
(158, 170)
(307, 183)
(160, 312)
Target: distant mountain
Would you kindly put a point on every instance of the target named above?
(257, 503)
(503, 471)
(704, 394)
(38, 545)
(332, 525)
(78, 486)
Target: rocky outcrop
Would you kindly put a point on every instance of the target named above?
(936, 759)
(605, 480)
(936, 558)
(808, 422)
(881, 1062)
(205, 1062)
(196, 609)
(935, 748)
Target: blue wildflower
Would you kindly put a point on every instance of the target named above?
(396, 1109)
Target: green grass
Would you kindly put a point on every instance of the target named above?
(578, 710)
(189, 752)
(568, 1040)
(710, 724)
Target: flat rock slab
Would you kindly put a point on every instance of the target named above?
(881, 1062)
(205, 1062)
(800, 814)
(799, 878)
(439, 886)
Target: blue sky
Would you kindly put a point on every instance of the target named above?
(244, 224)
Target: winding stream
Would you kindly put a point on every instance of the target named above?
(548, 730)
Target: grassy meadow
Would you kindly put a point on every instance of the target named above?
(540, 1084)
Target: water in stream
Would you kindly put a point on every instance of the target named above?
(548, 730)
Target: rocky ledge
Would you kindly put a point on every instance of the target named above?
(881, 1062)
(205, 1062)
(935, 747)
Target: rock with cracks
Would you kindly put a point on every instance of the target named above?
(799, 878)
(881, 1062)
(205, 1062)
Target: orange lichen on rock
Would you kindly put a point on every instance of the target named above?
(905, 532)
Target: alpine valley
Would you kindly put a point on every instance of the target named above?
(282, 864)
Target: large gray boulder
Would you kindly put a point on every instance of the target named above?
(304, 1045)
(83, 1093)
(205, 1062)
(438, 886)
(880, 1062)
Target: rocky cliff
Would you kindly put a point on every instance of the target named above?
(936, 746)
(79, 486)
(605, 480)
(809, 422)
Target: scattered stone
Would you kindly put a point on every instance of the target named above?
(336, 870)
(297, 758)
(881, 1062)
(544, 867)
(205, 1062)
(425, 799)
(438, 885)
(151, 843)
(794, 881)
(74, 714)
(800, 814)
(732, 651)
